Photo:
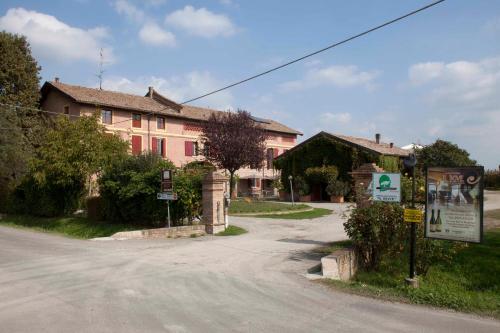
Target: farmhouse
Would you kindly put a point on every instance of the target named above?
(345, 152)
(156, 123)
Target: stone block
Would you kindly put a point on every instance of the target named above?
(340, 265)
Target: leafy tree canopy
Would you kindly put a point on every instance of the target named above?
(443, 153)
(234, 140)
(20, 125)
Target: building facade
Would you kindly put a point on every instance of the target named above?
(157, 124)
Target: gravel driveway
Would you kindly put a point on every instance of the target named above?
(248, 283)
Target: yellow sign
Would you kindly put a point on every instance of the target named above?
(413, 215)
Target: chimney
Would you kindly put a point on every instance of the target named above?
(150, 91)
(377, 138)
(56, 79)
(391, 145)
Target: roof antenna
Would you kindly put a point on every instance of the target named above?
(101, 70)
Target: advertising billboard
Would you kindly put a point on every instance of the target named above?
(454, 203)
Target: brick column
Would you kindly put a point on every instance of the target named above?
(213, 202)
(362, 178)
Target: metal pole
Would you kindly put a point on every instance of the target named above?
(291, 192)
(413, 231)
(168, 212)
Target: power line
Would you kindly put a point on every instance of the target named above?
(318, 51)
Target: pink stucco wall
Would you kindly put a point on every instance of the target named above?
(175, 132)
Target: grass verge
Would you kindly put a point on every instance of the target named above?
(254, 206)
(232, 230)
(469, 284)
(75, 227)
(311, 214)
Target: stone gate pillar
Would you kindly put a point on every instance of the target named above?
(362, 178)
(213, 202)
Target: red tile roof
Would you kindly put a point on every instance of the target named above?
(158, 104)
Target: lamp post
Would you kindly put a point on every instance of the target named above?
(290, 178)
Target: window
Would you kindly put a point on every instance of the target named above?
(160, 123)
(66, 109)
(255, 182)
(159, 146)
(190, 148)
(136, 144)
(106, 117)
(136, 120)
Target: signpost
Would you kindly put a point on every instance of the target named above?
(167, 187)
(386, 186)
(454, 203)
(410, 162)
(413, 215)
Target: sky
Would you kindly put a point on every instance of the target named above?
(433, 75)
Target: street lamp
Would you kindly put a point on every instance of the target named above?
(291, 188)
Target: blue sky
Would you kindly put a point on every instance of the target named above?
(434, 75)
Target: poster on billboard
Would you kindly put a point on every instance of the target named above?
(454, 203)
(386, 186)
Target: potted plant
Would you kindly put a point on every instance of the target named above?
(280, 188)
(303, 188)
(337, 189)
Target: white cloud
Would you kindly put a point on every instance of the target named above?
(178, 88)
(455, 83)
(461, 103)
(151, 33)
(133, 13)
(201, 22)
(339, 76)
(53, 39)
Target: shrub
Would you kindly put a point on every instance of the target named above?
(492, 179)
(337, 187)
(406, 185)
(375, 231)
(301, 185)
(128, 191)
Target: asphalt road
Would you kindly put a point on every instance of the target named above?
(249, 283)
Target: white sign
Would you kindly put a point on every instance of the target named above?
(386, 186)
(166, 196)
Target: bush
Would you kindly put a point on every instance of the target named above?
(128, 191)
(406, 185)
(301, 186)
(375, 231)
(337, 187)
(492, 179)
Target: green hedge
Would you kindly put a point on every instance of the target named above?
(492, 179)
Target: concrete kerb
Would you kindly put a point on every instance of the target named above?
(280, 212)
(158, 233)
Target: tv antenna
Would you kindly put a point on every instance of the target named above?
(101, 70)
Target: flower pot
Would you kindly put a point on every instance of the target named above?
(337, 198)
(282, 195)
(305, 198)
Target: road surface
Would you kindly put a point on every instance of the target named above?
(249, 283)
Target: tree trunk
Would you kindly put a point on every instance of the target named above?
(231, 183)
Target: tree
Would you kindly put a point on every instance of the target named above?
(443, 153)
(20, 124)
(71, 154)
(233, 141)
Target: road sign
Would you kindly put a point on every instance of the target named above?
(166, 196)
(413, 215)
(386, 187)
